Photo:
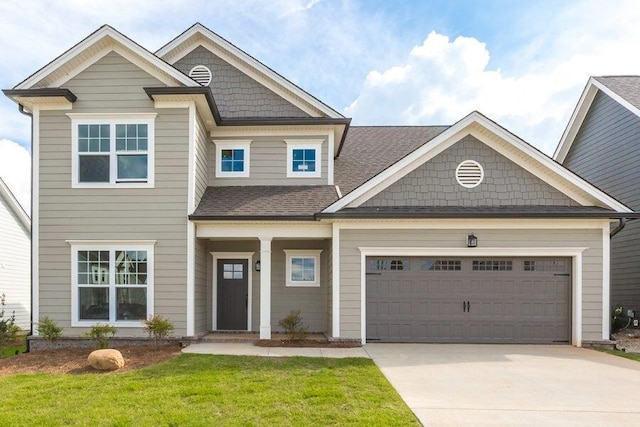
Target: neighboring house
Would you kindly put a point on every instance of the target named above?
(602, 144)
(198, 184)
(15, 258)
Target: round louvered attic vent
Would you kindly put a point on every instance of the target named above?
(469, 174)
(201, 74)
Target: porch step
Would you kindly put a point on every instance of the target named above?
(248, 337)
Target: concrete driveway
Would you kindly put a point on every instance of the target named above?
(512, 385)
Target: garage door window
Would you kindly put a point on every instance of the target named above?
(389, 264)
(441, 265)
(492, 265)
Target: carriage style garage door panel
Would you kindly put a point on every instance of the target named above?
(470, 300)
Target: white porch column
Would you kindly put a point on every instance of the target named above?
(265, 288)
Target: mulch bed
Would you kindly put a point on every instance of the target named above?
(74, 360)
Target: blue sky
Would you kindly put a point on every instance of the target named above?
(521, 63)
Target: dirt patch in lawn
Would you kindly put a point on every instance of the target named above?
(74, 360)
(307, 343)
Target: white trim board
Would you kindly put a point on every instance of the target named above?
(214, 284)
(497, 138)
(575, 253)
(109, 35)
(580, 112)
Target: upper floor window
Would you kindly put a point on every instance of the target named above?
(232, 159)
(112, 150)
(304, 158)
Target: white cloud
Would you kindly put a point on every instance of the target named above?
(15, 170)
(442, 80)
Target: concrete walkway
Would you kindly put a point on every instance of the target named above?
(248, 349)
(512, 385)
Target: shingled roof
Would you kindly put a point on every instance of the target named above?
(368, 150)
(627, 87)
(262, 201)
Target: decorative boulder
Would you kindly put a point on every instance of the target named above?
(106, 360)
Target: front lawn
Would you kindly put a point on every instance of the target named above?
(205, 390)
(632, 356)
(19, 345)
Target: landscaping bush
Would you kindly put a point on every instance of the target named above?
(293, 327)
(158, 328)
(100, 333)
(8, 328)
(49, 330)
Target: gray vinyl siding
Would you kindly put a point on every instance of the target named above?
(201, 153)
(114, 85)
(269, 163)
(350, 275)
(505, 183)
(235, 93)
(15, 269)
(311, 301)
(606, 152)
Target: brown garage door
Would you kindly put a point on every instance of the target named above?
(470, 300)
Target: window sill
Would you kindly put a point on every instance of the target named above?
(117, 324)
(110, 185)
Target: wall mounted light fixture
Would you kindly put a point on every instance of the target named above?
(257, 265)
(472, 241)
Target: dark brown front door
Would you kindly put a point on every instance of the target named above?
(233, 294)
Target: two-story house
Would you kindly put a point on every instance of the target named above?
(602, 144)
(197, 183)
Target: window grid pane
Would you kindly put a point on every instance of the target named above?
(303, 269)
(303, 160)
(232, 160)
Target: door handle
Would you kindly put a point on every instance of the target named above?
(464, 306)
(468, 307)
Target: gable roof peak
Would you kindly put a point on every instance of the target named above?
(15, 206)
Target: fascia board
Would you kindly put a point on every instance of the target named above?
(253, 63)
(579, 113)
(103, 32)
(15, 206)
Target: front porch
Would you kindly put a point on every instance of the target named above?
(247, 280)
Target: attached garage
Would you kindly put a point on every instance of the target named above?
(468, 299)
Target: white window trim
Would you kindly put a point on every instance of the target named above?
(233, 145)
(308, 253)
(112, 119)
(304, 144)
(108, 246)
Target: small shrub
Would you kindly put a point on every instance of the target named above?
(158, 328)
(100, 333)
(293, 327)
(49, 330)
(8, 328)
(619, 320)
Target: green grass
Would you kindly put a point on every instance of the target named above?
(205, 390)
(632, 356)
(20, 346)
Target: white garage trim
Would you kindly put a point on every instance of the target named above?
(574, 252)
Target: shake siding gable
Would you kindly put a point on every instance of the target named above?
(434, 183)
(236, 94)
(606, 151)
(113, 84)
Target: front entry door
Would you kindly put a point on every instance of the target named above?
(233, 294)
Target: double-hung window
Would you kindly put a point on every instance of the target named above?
(113, 150)
(112, 283)
(304, 158)
(303, 268)
(232, 159)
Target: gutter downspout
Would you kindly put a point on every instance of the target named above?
(23, 111)
(619, 228)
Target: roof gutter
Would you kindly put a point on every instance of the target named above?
(619, 228)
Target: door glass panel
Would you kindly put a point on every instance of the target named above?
(232, 271)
